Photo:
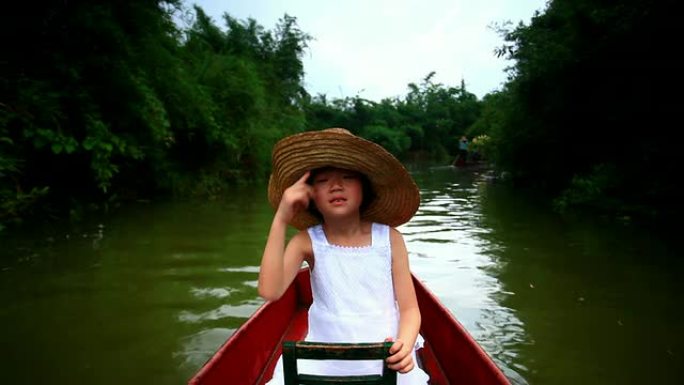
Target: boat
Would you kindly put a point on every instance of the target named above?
(450, 355)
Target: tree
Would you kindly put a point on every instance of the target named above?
(591, 101)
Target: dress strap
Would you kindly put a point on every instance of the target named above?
(380, 235)
(317, 235)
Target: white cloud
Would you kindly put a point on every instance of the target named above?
(374, 48)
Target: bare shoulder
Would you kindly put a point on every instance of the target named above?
(301, 240)
(400, 263)
(397, 244)
(396, 236)
(301, 244)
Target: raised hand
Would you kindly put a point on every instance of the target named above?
(295, 199)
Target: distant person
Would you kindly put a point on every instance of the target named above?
(462, 157)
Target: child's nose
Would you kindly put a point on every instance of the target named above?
(336, 181)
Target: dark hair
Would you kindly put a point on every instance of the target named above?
(366, 191)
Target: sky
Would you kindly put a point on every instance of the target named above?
(374, 48)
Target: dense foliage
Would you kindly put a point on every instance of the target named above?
(103, 98)
(113, 100)
(426, 123)
(590, 110)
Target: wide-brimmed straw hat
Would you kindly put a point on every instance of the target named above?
(396, 195)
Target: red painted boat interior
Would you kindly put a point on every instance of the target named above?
(450, 355)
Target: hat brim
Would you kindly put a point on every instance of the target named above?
(396, 195)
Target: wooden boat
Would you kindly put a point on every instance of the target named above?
(450, 355)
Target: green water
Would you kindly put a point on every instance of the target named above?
(148, 293)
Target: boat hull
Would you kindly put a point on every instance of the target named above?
(450, 354)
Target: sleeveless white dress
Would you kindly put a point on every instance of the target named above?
(353, 301)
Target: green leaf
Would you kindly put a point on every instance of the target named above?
(71, 145)
(89, 143)
(57, 148)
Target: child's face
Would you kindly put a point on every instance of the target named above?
(337, 192)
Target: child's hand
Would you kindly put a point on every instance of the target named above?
(295, 199)
(401, 358)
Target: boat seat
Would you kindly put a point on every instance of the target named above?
(293, 350)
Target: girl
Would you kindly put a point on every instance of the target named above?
(345, 194)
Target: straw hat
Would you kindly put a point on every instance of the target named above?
(396, 194)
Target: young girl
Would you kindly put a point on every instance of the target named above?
(345, 194)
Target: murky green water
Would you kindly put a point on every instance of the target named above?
(147, 294)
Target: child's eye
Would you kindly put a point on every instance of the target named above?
(321, 180)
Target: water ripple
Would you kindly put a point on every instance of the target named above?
(449, 251)
(195, 349)
(217, 292)
(241, 269)
(243, 310)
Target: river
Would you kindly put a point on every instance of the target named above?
(148, 292)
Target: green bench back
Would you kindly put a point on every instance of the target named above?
(335, 351)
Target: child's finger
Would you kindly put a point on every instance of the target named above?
(404, 365)
(396, 348)
(405, 368)
(389, 339)
(303, 178)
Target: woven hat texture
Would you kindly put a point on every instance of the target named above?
(396, 195)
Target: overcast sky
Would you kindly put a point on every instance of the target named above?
(374, 48)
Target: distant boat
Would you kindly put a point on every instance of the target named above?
(450, 355)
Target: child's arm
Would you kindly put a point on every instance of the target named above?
(409, 315)
(279, 264)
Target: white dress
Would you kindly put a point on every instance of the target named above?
(353, 301)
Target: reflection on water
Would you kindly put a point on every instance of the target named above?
(150, 293)
(197, 347)
(211, 292)
(243, 310)
(450, 255)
